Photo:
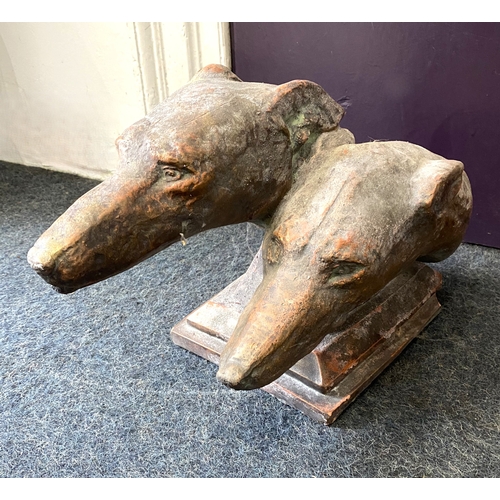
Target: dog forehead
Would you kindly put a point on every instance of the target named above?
(204, 118)
(348, 217)
(202, 102)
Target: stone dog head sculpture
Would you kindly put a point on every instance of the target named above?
(219, 151)
(359, 216)
(341, 219)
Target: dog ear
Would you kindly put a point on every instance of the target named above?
(306, 110)
(442, 194)
(436, 183)
(215, 71)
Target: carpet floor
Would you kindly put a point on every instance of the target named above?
(92, 385)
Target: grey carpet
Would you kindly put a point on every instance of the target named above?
(92, 385)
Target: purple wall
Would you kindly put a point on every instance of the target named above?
(433, 84)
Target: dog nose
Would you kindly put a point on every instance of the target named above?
(41, 261)
(234, 374)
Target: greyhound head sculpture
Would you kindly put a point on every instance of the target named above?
(219, 151)
(359, 216)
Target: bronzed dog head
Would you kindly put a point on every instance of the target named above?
(363, 213)
(219, 151)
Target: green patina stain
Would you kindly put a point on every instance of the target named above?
(301, 150)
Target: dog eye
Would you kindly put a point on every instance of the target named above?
(172, 172)
(343, 272)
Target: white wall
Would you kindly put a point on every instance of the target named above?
(67, 90)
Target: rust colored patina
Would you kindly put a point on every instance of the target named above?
(342, 219)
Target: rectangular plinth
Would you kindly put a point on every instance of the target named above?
(325, 381)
